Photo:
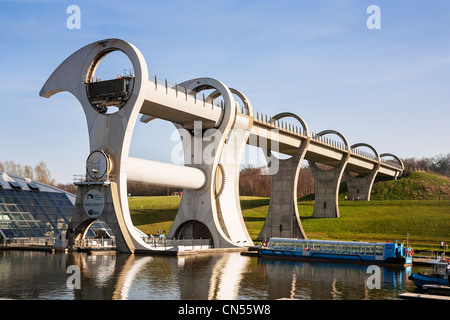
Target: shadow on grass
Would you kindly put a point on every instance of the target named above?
(149, 216)
(252, 203)
(307, 218)
(254, 219)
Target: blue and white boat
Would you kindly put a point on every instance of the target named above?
(337, 251)
(439, 276)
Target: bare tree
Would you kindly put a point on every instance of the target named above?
(28, 172)
(42, 174)
(438, 164)
(12, 168)
(69, 187)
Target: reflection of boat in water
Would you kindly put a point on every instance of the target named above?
(317, 280)
(337, 251)
(439, 276)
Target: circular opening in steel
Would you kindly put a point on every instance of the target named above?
(110, 81)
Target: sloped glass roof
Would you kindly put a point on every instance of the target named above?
(32, 209)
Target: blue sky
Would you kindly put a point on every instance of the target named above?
(388, 87)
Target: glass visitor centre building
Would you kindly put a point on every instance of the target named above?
(30, 209)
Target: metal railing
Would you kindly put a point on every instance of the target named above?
(98, 243)
(391, 163)
(83, 178)
(296, 130)
(182, 91)
(25, 242)
(279, 124)
(184, 244)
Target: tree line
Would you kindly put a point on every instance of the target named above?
(39, 173)
(439, 164)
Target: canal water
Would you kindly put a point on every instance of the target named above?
(79, 276)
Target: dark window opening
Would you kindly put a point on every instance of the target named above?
(15, 185)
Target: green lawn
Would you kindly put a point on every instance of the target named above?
(151, 214)
(154, 203)
(426, 222)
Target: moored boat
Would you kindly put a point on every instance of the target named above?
(337, 251)
(440, 275)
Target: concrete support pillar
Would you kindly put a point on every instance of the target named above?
(326, 184)
(282, 218)
(359, 187)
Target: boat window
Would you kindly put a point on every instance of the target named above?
(272, 244)
(278, 245)
(288, 245)
(356, 249)
(379, 250)
(328, 247)
(440, 269)
(299, 245)
(370, 250)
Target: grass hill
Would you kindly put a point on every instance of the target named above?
(415, 186)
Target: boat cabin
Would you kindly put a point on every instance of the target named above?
(368, 252)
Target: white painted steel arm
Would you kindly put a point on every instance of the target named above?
(164, 174)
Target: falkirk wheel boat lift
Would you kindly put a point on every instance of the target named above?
(209, 206)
